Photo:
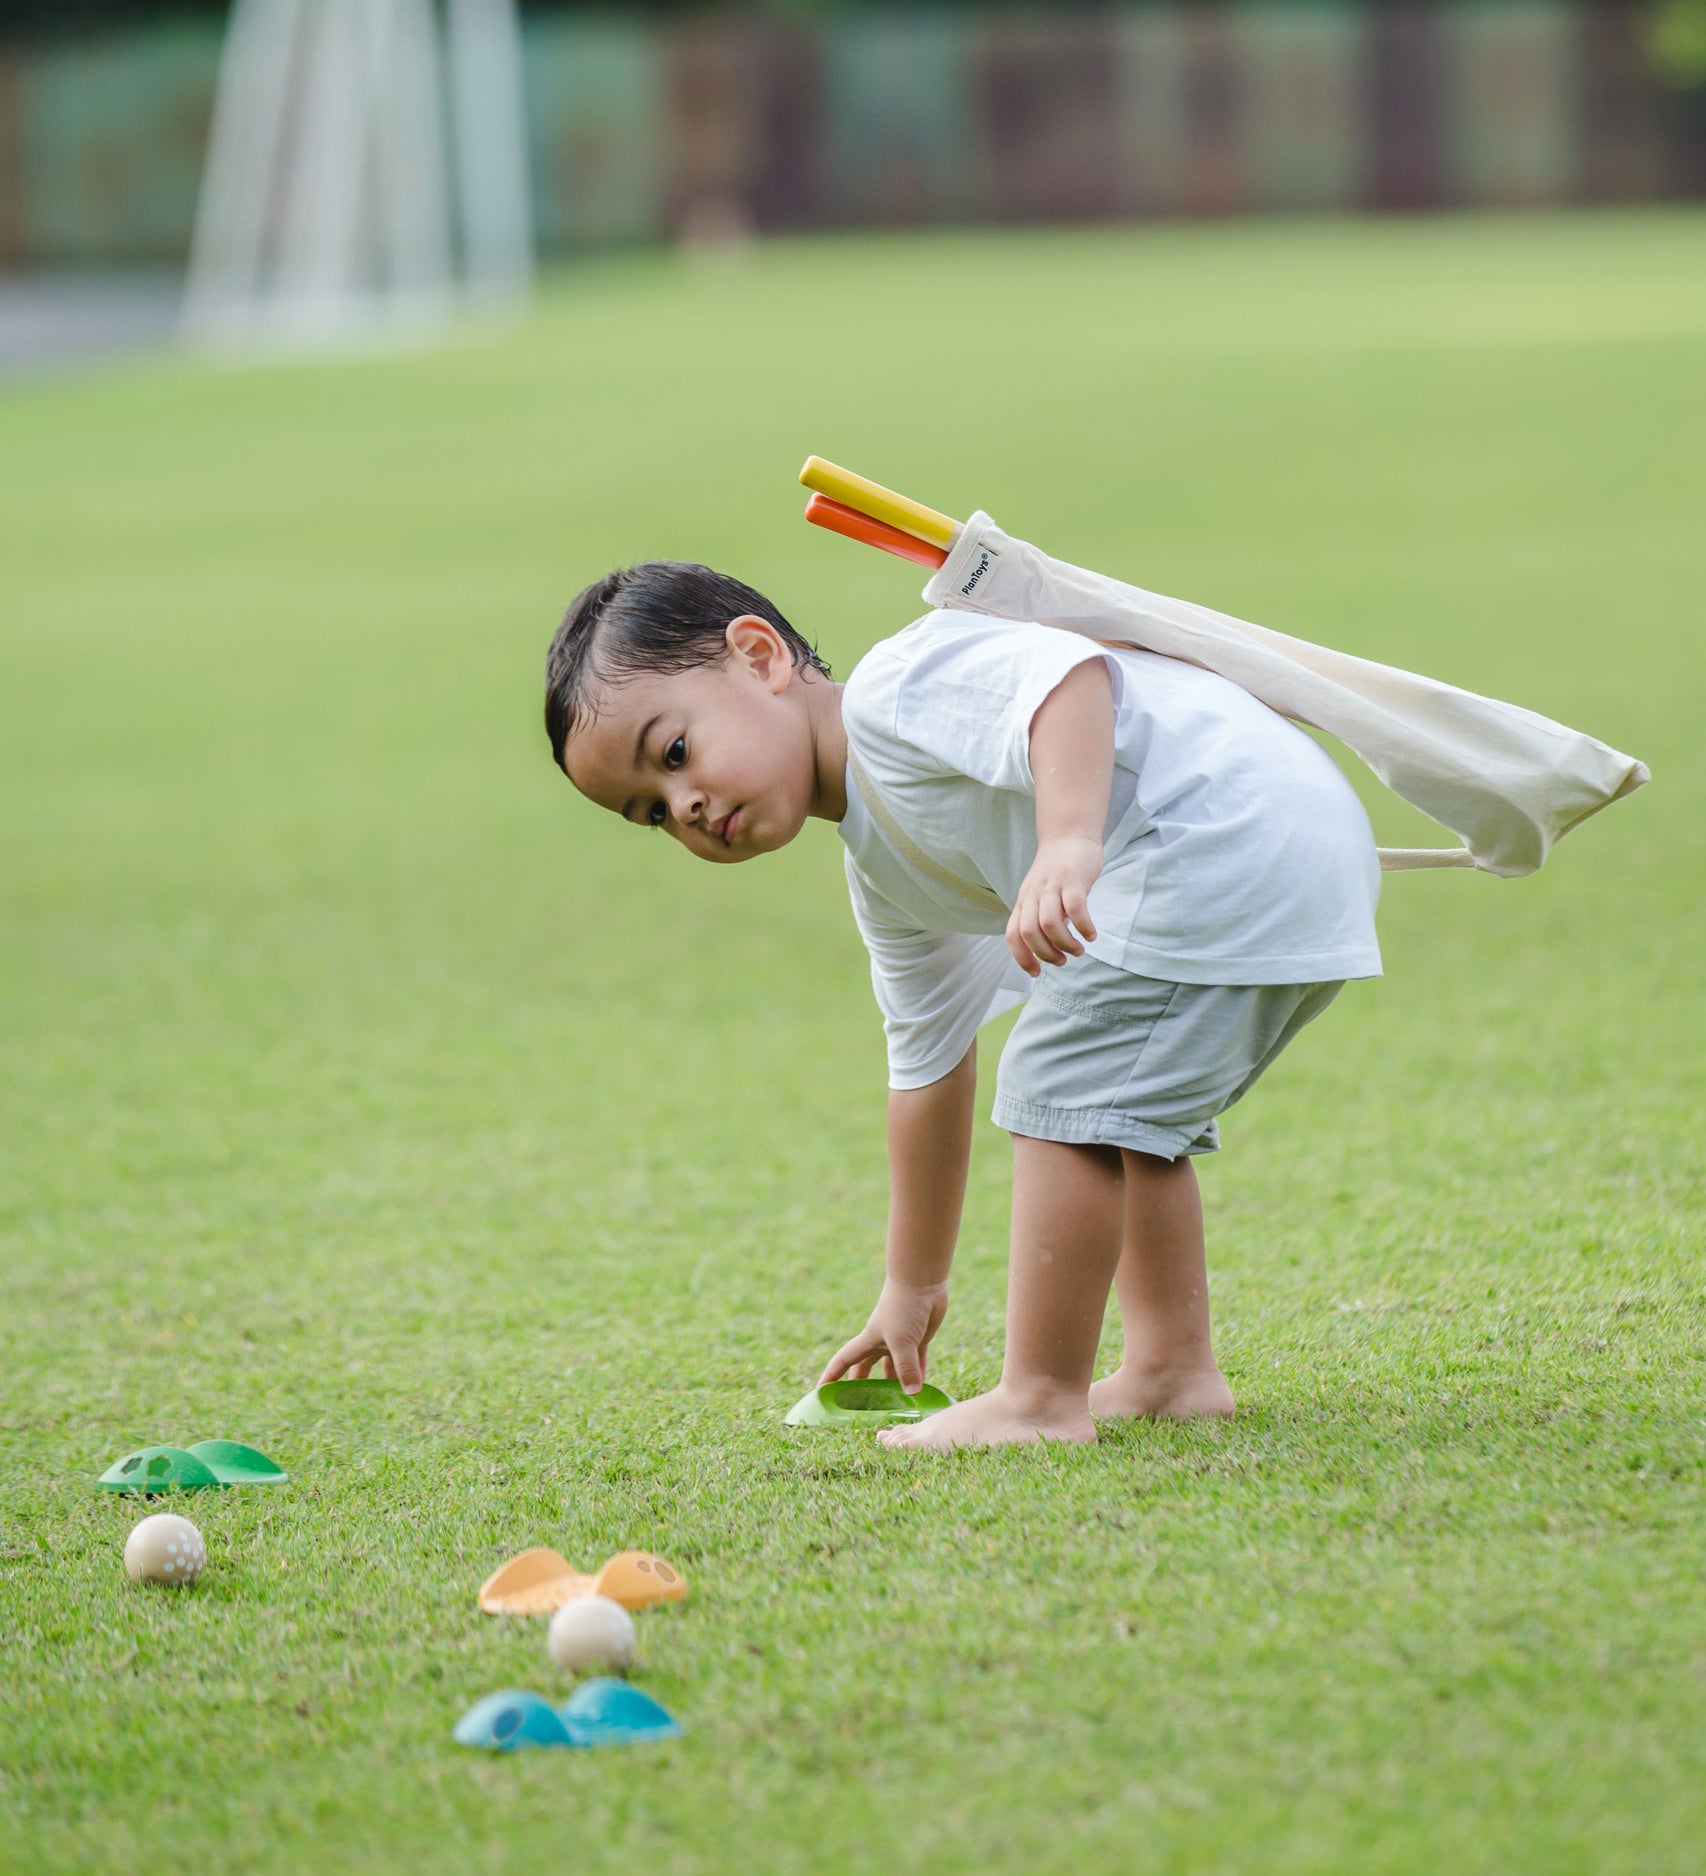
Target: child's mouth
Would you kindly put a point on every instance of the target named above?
(726, 831)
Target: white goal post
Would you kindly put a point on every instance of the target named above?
(366, 172)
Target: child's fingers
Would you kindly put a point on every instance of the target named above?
(1016, 945)
(1078, 909)
(907, 1367)
(1057, 925)
(861, 1351)
(1032, 929)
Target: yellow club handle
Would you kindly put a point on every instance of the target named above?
(871, 498)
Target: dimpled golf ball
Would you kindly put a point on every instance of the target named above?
(592, 1632)
(165, 1549)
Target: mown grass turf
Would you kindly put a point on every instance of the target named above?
(507, 1175)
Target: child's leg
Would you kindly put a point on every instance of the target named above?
(1169, 1367)
(1069, 1205)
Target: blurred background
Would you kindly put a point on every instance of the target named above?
(653, 123)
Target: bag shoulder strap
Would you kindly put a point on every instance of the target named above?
(1407, 859)
(909, 849)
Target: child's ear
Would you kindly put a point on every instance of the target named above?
(755, 643)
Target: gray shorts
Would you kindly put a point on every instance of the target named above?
(1102, 1057)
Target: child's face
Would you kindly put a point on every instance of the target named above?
(721, 756)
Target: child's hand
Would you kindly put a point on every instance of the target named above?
(1054, 896)
(907, 1315)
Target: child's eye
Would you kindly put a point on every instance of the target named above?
(656, 814)
(676, 753)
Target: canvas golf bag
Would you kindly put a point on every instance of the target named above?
(1507, 781)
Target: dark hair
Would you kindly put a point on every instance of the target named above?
(655, 618)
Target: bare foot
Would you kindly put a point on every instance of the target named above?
(1162, 1393)
(996, 1419)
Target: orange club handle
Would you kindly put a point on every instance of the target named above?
(824, 512)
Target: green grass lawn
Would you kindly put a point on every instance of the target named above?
(366, 1096)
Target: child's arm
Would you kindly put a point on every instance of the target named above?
(929, 1135)
(1072, 764)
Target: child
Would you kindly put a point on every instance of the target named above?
(1193, 871)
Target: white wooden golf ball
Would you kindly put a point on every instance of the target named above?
(592, 1632)
(165, 1549)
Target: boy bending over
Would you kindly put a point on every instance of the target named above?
(1193, 871)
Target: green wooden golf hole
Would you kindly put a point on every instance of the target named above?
(209, 1463)
(873, 1403)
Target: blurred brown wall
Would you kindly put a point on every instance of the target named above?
(644, 128)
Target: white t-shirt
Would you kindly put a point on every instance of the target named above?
(1235, 852)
